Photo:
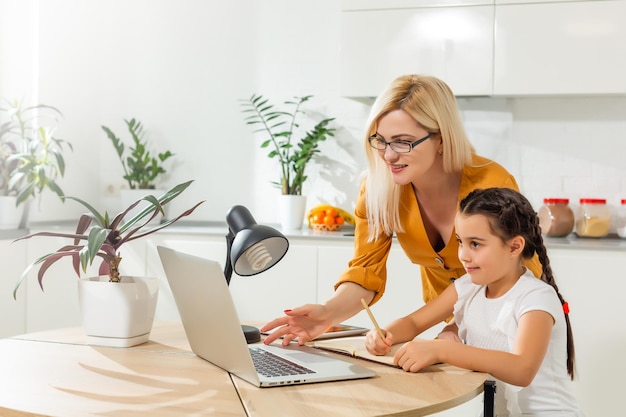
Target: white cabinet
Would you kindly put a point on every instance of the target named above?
(13, 312)
(400, 4)
(533, 1)
(594, 282)
(560, 48)
(262, 297)
(452, 43)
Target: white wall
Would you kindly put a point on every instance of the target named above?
(181, 66)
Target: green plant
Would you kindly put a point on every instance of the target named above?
(31, 158)
(97, 235)
(280, 126)
(141, 169)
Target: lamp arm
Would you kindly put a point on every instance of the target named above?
(228, 266)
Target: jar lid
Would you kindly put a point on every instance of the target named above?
(592, 201)
(556, 200)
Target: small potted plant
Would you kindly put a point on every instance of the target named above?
(31, 158)
(293, 155)
(143, 170)
(109, 300)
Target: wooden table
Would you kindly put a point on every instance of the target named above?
(56, 373)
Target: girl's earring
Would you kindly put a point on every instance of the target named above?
(440, 152)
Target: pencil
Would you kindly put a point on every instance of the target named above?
(376, 326)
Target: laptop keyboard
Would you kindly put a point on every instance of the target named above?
(268, 364)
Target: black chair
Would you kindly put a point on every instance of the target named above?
(489, 397)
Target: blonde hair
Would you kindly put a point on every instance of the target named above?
(432, 104)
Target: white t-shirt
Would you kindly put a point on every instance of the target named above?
(491, 323)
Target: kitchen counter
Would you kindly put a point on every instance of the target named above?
(213, 228)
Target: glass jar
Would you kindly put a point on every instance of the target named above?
(593, 218)
(556, 218)
(620, 219)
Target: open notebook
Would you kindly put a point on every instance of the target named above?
(355, 347)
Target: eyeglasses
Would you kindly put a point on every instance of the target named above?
(399, 146)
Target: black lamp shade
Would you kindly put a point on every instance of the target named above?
(255, 248)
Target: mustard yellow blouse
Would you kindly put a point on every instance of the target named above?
(438, 269)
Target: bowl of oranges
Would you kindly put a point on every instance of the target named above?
(328, 218)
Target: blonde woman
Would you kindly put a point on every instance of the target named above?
(420, 166)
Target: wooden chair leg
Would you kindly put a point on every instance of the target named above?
(489, 395)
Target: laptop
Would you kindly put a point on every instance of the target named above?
(213, 329)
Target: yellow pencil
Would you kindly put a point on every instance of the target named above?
(376, 326)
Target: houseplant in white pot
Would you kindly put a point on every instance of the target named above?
(31, 159)
(293, 155)
(117, 310)
(143, 170)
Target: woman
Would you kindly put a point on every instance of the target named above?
(420, 165)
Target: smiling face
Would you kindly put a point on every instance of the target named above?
(411, 167)
(486, 258)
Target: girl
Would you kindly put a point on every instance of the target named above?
(514, 326)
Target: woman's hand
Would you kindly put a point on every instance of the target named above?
(377, 346)
(304, 323)
(417, 354)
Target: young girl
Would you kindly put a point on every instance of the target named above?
(513, 326)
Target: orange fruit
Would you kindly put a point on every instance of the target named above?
(317, 218)
(332, 212)
(329, 220)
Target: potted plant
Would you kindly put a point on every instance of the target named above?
(107, 299)
(293, 155)
(142, 169)
(31, 158)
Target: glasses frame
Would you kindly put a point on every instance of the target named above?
(412, 145)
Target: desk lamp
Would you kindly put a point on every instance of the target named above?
(251, 248)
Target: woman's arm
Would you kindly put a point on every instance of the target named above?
(311, 320)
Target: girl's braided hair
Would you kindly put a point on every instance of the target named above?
(510, 214)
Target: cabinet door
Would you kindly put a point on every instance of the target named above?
(452, 43)
(560, 48)
(12, 310)
(57, 304)
(593, 282)
(399, 4)
(258, 298)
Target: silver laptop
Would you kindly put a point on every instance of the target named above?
(214, 332)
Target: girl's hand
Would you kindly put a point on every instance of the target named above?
(450, 332)
(304, 323)
(417, 354)
(377, 346)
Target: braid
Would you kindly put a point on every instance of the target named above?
(548, 277)
(510, 214)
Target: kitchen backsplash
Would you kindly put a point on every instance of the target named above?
(569, 147)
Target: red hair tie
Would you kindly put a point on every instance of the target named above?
(566, 307)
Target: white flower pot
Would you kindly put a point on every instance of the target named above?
(10, 216)
(118, 314)
(291, 211)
